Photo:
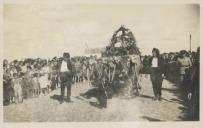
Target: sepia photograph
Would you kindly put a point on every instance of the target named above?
(101, 62)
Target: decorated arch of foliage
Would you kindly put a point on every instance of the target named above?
(122, 43)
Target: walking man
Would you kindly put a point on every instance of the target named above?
(66, 77)
(157, 73)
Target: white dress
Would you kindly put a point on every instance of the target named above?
(44, 82)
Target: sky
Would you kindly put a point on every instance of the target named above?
(49, 30)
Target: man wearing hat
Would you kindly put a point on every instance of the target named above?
(66, 76)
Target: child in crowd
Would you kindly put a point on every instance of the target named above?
(16, 84)
(36, 85)
(44, 81)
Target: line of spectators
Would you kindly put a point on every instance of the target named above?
(28, 78)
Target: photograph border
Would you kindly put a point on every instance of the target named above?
(136, 124)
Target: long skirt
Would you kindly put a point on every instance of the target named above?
(8, 92)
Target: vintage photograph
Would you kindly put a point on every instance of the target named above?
(101, 62)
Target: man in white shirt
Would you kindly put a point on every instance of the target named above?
(155, 62)
(64, 67)
(66, 77)
(157, 73)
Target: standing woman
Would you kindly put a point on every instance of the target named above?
(6, 85)
(184, 64)
(157, 73)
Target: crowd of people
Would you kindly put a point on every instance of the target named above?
(181, 68)
(178, 66)
(28, 78)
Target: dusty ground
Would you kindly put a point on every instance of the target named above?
(47, 109)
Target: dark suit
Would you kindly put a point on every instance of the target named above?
(156, 76)
(66, 81)
(194, 88)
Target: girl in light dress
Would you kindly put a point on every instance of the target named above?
(44, 81)
(36, 85)
(17, 86)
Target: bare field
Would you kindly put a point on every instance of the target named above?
(47, 109)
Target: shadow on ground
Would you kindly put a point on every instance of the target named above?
(150, 118)
(188, 114)
(91, 93)
(55, 97)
